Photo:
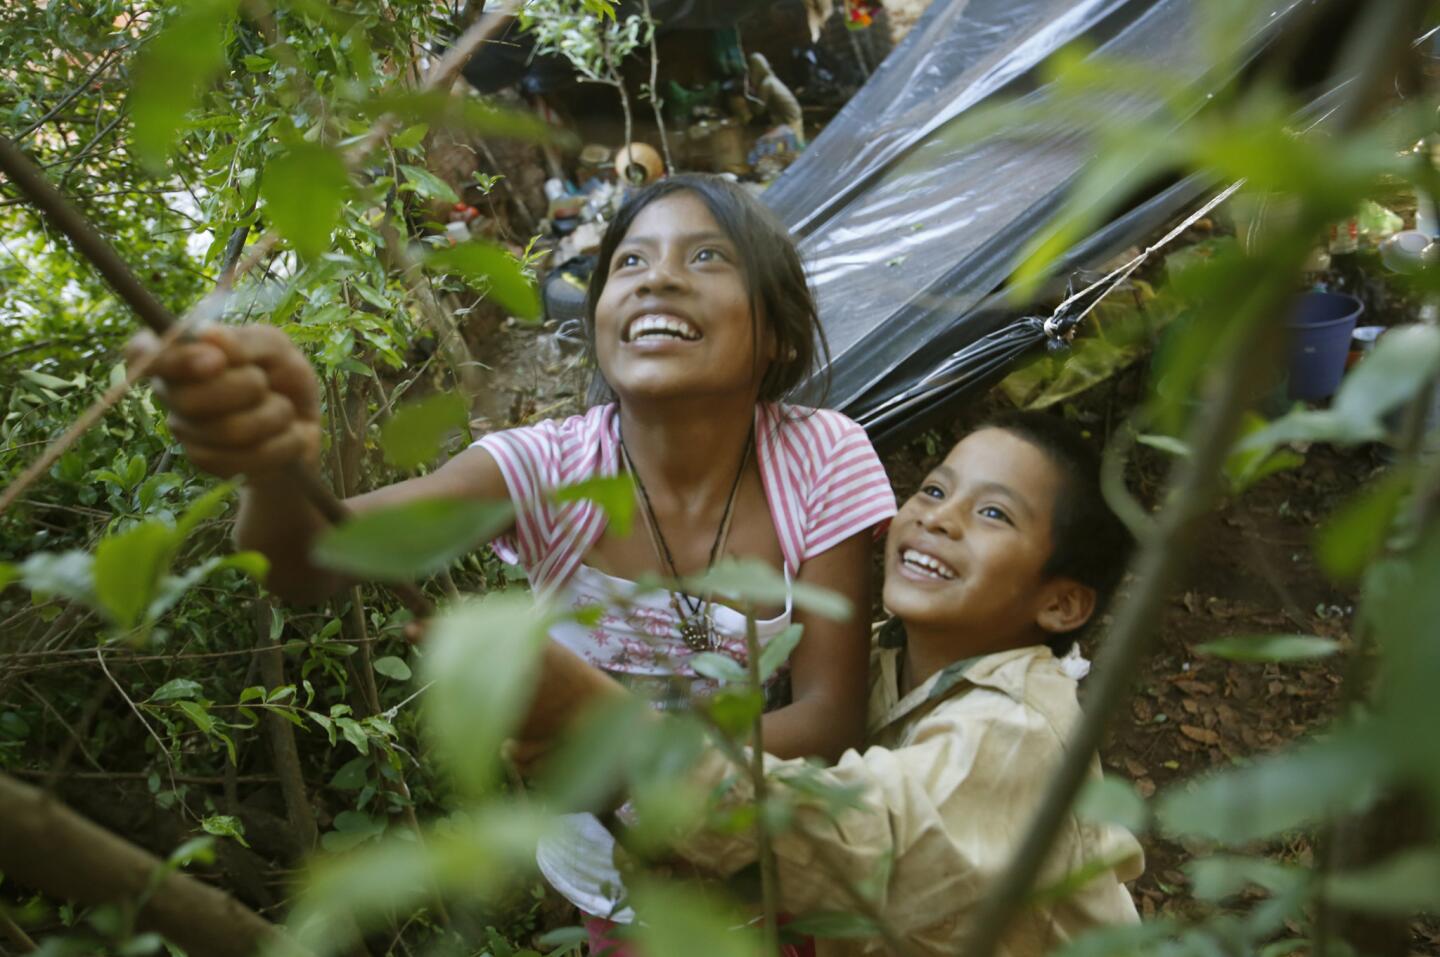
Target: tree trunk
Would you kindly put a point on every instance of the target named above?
(46, 846)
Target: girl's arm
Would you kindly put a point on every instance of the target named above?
(829, 671)
(245, 400)
(276, 520)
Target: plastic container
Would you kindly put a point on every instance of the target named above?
(1362, 340)
(1320, 330)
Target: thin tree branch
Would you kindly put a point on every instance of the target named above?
(74, 740)
(68, 98)
(164, 751)
(769, 872)
(16, 934)
(206, 779)
(282, 736)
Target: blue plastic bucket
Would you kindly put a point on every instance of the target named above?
(1320, 330)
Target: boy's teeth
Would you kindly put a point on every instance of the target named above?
(661, 325)
(927, 564)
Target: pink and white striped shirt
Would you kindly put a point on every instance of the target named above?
(822, 478)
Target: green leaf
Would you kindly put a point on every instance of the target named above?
(9, 572)
(410, 541)
(128, 568)
(1279, 792)
(594, 756)
(834, 925)
(1403, 360)
(392, 667)
(1125, 940)
(353, 732)
(303, 190)
(561, 937)
(478, 853)
(678, 919)
(351, 828)
(429, 185)
(1111, 800)
(1165, 443)
(719, 667)
(410, 137)
(493, 271)
(1224, 875)
(1400, 885)
(1356, 533)
(777, 650)
(734, 710)
(440, 109)
(751, 581)
(203, 508)
(412, 436)
(196, 712)
(200, 849)
(224, 825)
(614, 494)
(482, 656)
(1244, 467)
(353, 774)
(171, 71)
(173, 587)
(48, 381)
(1266, 648)
(175, 689)
(67, 574)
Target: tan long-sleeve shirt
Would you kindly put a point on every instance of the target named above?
(951, 780)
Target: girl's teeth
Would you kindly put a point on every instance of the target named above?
(658, 325)
(927, 564)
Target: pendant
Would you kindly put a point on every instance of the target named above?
(696, 632)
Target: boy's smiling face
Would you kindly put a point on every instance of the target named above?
(965, 557)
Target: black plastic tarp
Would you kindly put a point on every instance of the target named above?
(908, 229)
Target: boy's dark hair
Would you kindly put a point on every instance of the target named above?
(1091, 544)
(768, 261)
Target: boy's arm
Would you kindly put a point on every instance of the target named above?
(933, 825)
(567, 685)
(830, 666)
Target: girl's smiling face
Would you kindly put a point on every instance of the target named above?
(675, 318)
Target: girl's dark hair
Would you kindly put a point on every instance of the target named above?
(1090, 543)
(773, 275)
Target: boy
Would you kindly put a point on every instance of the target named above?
(993, 567)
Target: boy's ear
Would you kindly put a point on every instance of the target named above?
(1066, 605)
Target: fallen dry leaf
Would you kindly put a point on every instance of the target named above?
(1201, 735)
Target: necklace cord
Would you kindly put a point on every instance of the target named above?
(699, 610)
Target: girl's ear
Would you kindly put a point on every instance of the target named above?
(1065, 605)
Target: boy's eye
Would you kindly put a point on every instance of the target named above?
(931, 490)
(990, 511)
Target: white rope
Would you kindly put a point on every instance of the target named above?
(1120, 274)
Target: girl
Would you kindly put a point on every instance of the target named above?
(700, 323)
